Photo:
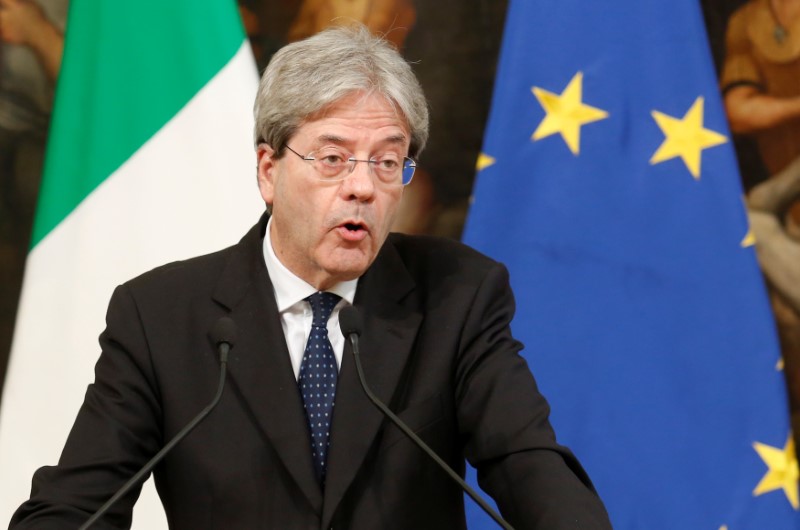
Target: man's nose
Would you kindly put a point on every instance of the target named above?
(360, 181)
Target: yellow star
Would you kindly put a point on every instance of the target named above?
(749, 239)
(782, 473)
(685, 138)
(484, 161)
(566, 113)
(723, 527)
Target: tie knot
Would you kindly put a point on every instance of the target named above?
(322, 306)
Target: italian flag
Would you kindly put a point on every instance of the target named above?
(150, 159)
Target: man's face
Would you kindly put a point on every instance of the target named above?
(328, 232)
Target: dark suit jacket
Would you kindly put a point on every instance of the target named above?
(436, 348)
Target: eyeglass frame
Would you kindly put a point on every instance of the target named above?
(408, 163)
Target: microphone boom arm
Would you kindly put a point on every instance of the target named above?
(422, 445)
(224, 348)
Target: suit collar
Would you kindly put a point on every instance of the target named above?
(243, 267)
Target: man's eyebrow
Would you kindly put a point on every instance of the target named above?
(335, 139)
(396, 139)
(331, 138)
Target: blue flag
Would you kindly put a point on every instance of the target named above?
(609, 187)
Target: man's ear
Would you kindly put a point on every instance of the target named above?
(265, 160)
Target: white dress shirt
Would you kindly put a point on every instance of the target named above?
(296, 315)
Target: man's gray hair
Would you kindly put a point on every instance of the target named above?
(305, 77)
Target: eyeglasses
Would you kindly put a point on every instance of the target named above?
(334, 164)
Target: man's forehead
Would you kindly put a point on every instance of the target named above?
(369, 111)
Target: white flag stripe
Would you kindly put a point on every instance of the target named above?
(191, 189)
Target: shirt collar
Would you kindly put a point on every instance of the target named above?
(289, 288)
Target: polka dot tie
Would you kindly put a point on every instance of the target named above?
(317, 380)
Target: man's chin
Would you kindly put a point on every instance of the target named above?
(346, 265)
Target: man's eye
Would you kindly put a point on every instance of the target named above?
(331, 159)
(388, 163)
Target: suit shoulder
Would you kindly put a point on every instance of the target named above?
(191, 272)
(433, 252)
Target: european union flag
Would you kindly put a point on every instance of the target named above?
(608, 185)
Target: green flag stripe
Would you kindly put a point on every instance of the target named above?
(128, 68)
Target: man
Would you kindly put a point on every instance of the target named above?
(337, 115)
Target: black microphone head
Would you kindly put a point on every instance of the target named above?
(224, 332)
(350, 321)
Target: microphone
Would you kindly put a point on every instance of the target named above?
(352, 324)
(223, 335)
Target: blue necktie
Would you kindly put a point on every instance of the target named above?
(317, 380)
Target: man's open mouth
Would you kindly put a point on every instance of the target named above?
(354, 227)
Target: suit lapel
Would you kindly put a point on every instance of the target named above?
(260, 367)
(391, 322)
